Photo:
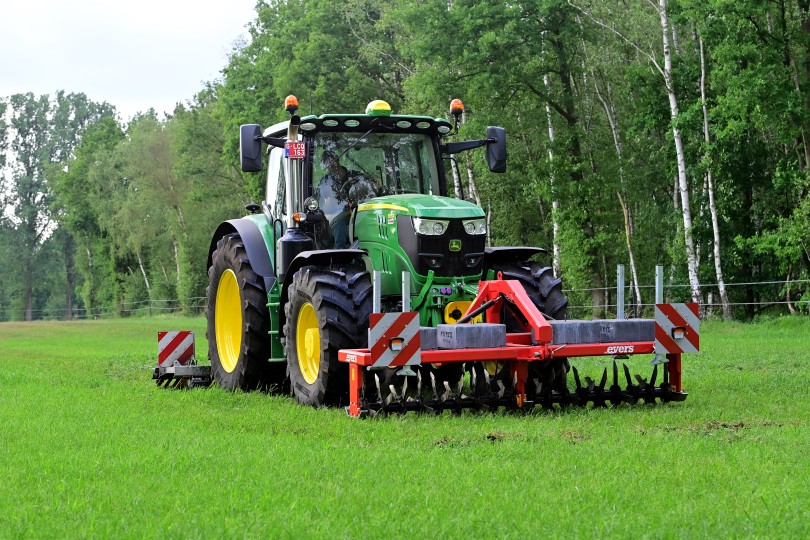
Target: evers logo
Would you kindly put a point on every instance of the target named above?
(619, 349)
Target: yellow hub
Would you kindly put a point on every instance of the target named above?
(493, 367)
(228, 321)
(308, 343)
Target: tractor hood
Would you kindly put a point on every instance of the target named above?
(428, 206)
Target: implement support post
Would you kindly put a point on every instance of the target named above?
(355, 385)
(674, 367)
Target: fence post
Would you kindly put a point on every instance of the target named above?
(659, 284)
(620, 291)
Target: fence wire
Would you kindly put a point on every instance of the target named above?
(195, 305)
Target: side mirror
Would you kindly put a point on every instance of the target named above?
(496, 149)
(250, 147)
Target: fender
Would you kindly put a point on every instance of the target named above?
(255, 246)
(509, 254)
(321, 257)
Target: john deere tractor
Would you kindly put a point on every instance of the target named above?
(349, 194)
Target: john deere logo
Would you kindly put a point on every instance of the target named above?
(455, 245)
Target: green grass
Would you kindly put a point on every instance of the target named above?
(89, 447)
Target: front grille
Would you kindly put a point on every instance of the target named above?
(433, 252)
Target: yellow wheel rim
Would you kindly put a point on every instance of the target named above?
(493, 367)
(308, 343)
(228, 321)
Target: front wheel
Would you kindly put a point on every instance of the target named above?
(328, 309)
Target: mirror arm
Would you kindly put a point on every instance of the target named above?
(463, 146)
(278, 142)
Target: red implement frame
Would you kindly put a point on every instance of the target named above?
(521, 348)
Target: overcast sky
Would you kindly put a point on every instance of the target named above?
(132, 54)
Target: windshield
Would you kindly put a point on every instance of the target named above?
(348, 169)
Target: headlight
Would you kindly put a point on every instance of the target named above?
(429, 227)
(475, 226)
(311, 204)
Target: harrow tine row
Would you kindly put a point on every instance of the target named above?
(490, 394)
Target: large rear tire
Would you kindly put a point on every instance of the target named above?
(328, 309)
(238, 322)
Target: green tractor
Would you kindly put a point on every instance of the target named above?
(348, 195)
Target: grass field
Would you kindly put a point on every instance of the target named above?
(89, 447)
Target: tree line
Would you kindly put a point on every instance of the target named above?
(640, 133)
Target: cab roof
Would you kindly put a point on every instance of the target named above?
(395, 123)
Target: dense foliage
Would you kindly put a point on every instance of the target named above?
(672, 133)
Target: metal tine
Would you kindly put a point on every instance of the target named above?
(647, 390)
(581, 392)
(651, 389)
(392, 395)
(501, 389)
(615, 391)
(632, 389)
(447, 392)
(576, 378)
(627, 375)
(599, 397)
(379, 391)
(474, 381)
(433, 382)
(590, 383)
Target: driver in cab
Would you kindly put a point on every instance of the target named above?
(339, 191)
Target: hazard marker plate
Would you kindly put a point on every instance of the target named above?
(677, 328)
(394, 339)
(175, 348)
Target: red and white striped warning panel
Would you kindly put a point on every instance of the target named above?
(394, 339)
(175, 348)
(677, 328)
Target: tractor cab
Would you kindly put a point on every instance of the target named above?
(322, 169)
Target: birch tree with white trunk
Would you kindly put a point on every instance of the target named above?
(669, 84)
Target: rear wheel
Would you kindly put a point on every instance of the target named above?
(238, 321)
(328, 309)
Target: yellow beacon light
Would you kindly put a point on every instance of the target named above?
(378, 107)
(456, 107)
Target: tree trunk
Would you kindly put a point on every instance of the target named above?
(683, 184)
(471, 181)
(456, 178)
(489, 224)
(176, 257)
(145, 277)
(555, 202)
(470, 173)
(634, 274)
(617, 143)
(718, 267)
(69, 279)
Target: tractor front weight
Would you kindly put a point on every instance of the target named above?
(514, 370)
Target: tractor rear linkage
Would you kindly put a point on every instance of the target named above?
(394, 349)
